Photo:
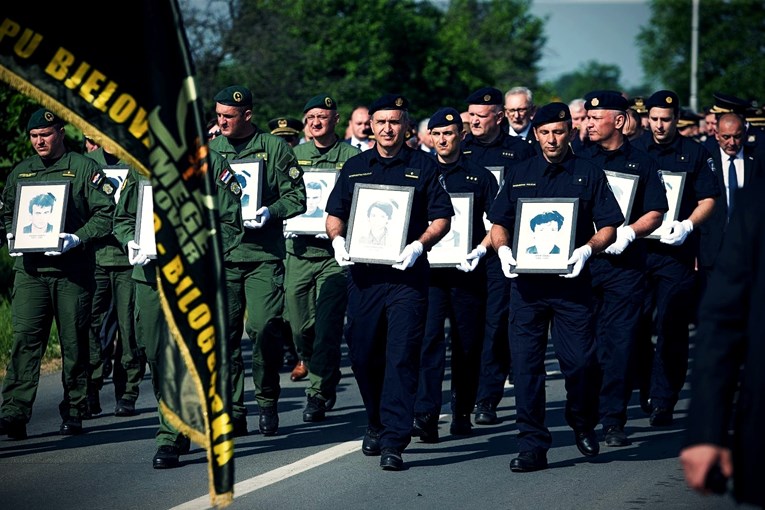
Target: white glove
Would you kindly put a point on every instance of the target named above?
(341, 254)
(288, 235)
(263, 216)
(322, 236)
(70, 241)
(135, 256)
(679, 232)
(578, 258)
(472, 259)
(624, 236)
(408, 255)
(507, 261)
(9, 236)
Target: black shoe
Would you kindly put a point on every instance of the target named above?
(645, 402)
(615, 436)
(587, 442)
(461, 425)
(269, 421)
(527, 462)
(426, 428)
(125, 408)
(240, 426)
(94, 407)
(390, 460)
(660, 417)
(370, 446)
(330, 403)
(107, 369)
(71, 427)
(13, 429)
(185, 446)
(485, 414)
(166, 457)
(315, 410)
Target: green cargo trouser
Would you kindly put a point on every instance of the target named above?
(257, 290)
(38, 299)
(115, 285)
(152, 332)
(316, 295)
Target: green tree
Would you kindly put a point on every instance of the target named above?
(731, 41)
(592, 76)
(433, 52)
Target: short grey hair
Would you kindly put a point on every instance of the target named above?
(521, 90)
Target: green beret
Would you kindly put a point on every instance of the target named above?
(235, 95)
(43, 118)
(322, 101)
(285, 126)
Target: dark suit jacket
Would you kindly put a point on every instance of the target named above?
(711, 231)
(731, 335)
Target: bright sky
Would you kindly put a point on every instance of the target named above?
(582, 30)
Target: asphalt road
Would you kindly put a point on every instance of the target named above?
(316, 466)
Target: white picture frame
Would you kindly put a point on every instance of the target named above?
(39, 215)
(624, 187)
(319, 183)
(674, 184)
(144, 224)
(249, 173)
(457, 243)
(544, 236)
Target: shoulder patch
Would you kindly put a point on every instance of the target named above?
(294, 173)
(225, 176)
(711, 165)
(108, 188)
(235, 188)
(95, 179)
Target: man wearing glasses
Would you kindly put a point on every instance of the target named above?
(519, 110)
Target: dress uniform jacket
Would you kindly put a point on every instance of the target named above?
(730, 336)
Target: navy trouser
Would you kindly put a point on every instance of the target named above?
(495, 355)
(460, 297)
(670, 296)
(619, 293)
(384, 331)
(539, 304)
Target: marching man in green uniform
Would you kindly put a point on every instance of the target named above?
(316, 286)
(255, 267)
(114, 287)
(54, 285)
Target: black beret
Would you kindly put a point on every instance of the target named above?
(729, 104)
(445, 117)
(235, 95)
(322, 101)
(551, 112)
(43, 118)
(485, 95)
(638, 104)
(285, 126)
(388, 102)
(663, 99)
(605, 100)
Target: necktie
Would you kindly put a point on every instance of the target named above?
(732, 184)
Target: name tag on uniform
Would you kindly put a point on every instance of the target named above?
(412, 173)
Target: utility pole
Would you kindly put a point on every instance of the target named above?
(694, 55)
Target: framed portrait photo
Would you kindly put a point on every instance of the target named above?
(457, 243)
(674, 182)
(544, 234)
(379, 222)
(144, 223)
(318, 184)
(249, 173)
(39, 216)
(116, 175)
(499, 173)
(624, 187)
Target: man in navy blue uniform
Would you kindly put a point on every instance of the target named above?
(387, 306)
(489, 145)
(546, 302)
(670, 262)
(618, 274)
(458, 293)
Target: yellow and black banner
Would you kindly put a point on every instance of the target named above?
(126, 78)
